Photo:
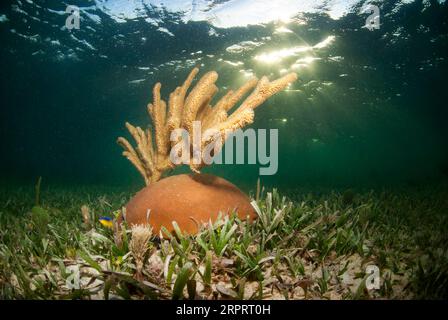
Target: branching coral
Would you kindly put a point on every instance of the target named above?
(183, 110)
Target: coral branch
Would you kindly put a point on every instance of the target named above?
(183, 110)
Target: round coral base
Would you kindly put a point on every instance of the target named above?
(188, 199)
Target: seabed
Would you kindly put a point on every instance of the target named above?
(388, 244)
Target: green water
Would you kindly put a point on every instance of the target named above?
(368, 110)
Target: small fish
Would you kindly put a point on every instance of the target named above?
(107, 222)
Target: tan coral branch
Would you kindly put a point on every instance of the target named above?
(152, 158)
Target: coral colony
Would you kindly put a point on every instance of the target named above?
(188, 201)
(183, 110)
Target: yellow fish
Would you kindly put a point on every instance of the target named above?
(107, 222)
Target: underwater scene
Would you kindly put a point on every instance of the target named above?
(224, 149)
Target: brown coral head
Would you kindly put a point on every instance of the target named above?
(188, 199)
